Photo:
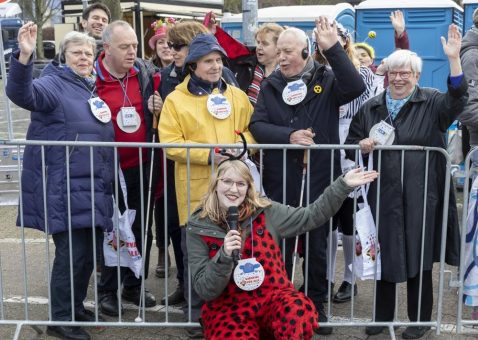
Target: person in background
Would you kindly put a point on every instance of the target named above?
(272, 308)
(469, 57)
(418, 116)
(203, 109)
(300, 105)
(94, 20)
(366, 53)
(129, 86)
(250, 66)
(344, 217)
(60, 111)
(162, 56)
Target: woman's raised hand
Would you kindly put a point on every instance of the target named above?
(27, 40)
(357, 177)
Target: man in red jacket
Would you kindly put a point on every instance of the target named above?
(128, 86)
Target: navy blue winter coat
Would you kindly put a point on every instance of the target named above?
(273, 121)
(60, 112)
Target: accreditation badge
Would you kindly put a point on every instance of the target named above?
(128, 119)
(218, 106)
(383, 133)
(100, 109)
(294, 92)
(248, 274)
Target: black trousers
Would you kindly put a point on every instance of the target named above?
(317, 273)
(385, 306)
(161, 206)
(82, 258)
(109, 276)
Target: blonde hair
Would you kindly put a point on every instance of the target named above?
(269, 27)
(252, 202)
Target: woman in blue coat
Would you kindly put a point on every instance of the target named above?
(64, 107)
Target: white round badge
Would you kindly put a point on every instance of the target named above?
(100, 109)
(248, 274)
(128, 119)
(294, 92)
(383, 133)
(218, 106)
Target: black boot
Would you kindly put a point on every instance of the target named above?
(415, 332)
(68, 332)
(161, 267)
(344, 293)
(176, 297)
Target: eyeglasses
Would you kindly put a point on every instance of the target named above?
(78, 54)
(404, 75)
(229, 183)
(176, 47)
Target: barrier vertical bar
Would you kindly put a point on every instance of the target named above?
(70, 241)
(422, 251)
(93, 230)
(443, 239)
(45, 214)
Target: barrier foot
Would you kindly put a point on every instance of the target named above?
(392, 332)
(17, 332)
(37, 329)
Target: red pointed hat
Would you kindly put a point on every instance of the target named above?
(160, 28)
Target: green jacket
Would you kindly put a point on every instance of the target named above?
(211, 276)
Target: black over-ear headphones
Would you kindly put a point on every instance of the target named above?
(305, 53)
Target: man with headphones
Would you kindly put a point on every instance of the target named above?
(299, 104)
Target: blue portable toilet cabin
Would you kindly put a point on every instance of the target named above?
(425, 22)
(469, 7)
(302, 17)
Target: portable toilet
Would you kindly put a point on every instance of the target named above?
(426, 21)
(469, 7)
(302, 17)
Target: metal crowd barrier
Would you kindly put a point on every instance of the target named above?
(359, 312)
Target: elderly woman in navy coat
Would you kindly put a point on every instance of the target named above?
(419, 116)
(64, 108)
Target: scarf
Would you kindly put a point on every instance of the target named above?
(305, 75)
(255, 87)
(394, 105)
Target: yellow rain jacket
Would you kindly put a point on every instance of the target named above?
(185, 119)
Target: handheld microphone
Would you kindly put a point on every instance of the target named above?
(232, 218)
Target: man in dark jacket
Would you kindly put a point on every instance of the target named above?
(469, 55)
(418, 116)
(128, 86)
(300, 105)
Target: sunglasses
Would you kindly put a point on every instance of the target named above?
(176, 47)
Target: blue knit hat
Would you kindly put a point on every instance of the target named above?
(202, 45)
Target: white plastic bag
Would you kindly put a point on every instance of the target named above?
(367, 250)
(122, 223)
(454, 146)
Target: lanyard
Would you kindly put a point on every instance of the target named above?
(125, 90)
